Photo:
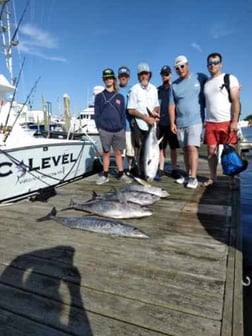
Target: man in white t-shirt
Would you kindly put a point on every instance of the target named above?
(142, 96)
(222, 115)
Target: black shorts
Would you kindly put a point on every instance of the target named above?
(168, 137)
(138, 135)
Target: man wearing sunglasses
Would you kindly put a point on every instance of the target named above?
(186, 109)
(222, 114)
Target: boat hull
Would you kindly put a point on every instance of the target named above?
(27, 170)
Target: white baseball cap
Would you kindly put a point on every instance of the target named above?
(143, 67)
(180, 60)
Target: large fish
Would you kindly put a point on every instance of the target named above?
(112, 209)
(133, 196)
(147, 189)
(151, 152)
(97, 224)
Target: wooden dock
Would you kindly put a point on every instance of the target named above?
(183, 281)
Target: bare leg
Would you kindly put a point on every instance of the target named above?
(212, 161)
(173, 157)
(193, 159)
(106, 161)
(119, 160)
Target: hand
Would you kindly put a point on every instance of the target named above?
(234, 126)
(174, 128)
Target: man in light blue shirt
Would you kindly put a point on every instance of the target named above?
(186, 110)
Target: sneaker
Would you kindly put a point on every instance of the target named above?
(175, 174)
(102, 179)
(181, 180)
(192, 183)
(125, 179)
(159, 175)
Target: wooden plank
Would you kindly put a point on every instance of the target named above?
(171, 284)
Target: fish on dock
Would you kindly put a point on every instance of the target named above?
(132, 196)
(147, 189)
(97, 224)
(111, 209)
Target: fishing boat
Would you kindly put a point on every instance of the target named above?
(85, 121)
(29, 165)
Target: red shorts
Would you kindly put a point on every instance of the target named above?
(219, 134)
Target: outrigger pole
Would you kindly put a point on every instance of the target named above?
(24, 104)
(14, 93)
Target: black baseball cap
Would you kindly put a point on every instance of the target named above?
(108, 73)
(165, 70)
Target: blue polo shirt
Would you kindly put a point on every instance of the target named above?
(187, 95)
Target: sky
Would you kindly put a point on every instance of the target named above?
(65, 44)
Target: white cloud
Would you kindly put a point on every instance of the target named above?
(196, 46)
(220, 30)
(34, 41)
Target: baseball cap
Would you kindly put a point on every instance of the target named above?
(123, 70)
(108, 73)
(180, 60)
(143, 67)
(165, 70)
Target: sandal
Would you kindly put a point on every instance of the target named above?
(208, 183)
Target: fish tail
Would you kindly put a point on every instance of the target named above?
(50, 215)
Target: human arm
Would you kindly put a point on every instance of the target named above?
(235, 108)
(171, 111)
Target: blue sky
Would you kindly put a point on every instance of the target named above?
(68, 43)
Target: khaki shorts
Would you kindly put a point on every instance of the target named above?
(189, 136)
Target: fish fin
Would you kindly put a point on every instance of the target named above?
(120, 195)
(141, 181)
(94, 196)
(160, 140)
(50, 215)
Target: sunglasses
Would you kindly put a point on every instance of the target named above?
(165, 74)
(180, 66)
(106, 78)
(213, 63)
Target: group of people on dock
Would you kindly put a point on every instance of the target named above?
(191, 108)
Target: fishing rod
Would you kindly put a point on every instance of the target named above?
(14, 93)
(24, 104)
(2, 10)
(12, 41)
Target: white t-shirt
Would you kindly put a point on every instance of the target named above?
(218, 106)
(140, 98)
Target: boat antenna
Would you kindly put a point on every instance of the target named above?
(24, 104)
(14, 93)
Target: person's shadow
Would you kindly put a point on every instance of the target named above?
(217, 213)
(40, 293)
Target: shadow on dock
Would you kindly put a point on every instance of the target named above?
(216, 212)
(41, 279)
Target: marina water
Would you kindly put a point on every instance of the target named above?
(246, 227)
(246, 202)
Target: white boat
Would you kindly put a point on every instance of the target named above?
(85, 121)
(29, 165)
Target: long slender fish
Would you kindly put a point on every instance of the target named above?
(96, 224)
(133, 196)
(111, 209)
